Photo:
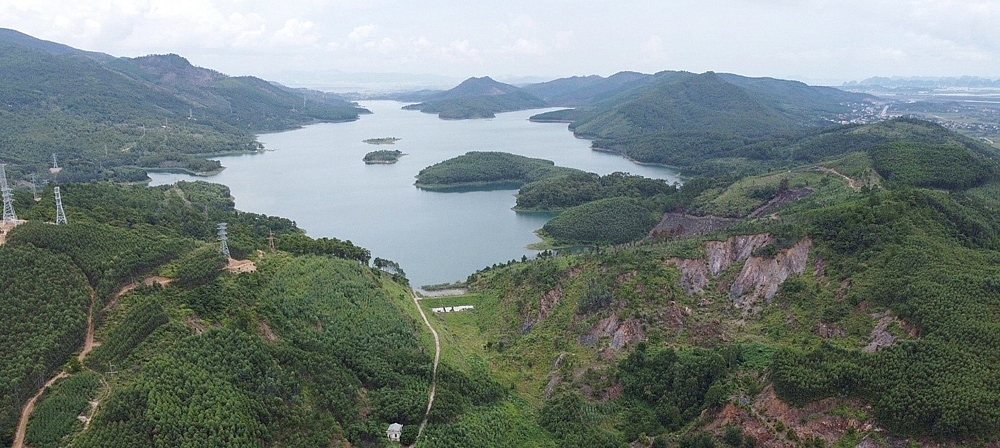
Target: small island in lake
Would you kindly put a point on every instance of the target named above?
(383, 156)
(487, 171)
(382, 141)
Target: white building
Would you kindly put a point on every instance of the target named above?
(394, 431)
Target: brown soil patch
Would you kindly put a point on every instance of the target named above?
(782, 199)
(266, 331)
(240, 266)
(680, 224)
(761, 417)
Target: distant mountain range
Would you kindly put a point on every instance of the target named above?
(676, 118)
(112, 118)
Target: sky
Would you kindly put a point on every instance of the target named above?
(333, 44)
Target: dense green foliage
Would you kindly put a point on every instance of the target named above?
(912, 251)
(673, 388)
(138, 324)
(200, 266)
(684, 119)
(43, 317)
(383, 156)
(605, 221)
(566, 417)
(948, 166)
(708, 123)
(109, 256)
(579, 188)
(487, 170)
(56, 415)
(340, 344)
(117, 116)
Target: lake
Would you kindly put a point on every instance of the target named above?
(315, 177)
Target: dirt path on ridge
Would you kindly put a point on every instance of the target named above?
(148, 281)
(29, 407)
(850, 182)
(437, 357)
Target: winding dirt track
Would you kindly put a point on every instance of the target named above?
(29, 407)
(437, 356)
(850, 182)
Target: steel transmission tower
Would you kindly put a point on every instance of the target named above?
(55, 163)
(222, 240)
(9, 217)
(60, 214)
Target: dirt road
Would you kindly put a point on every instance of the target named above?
(437, 357)
(850, 182)
(29, 407)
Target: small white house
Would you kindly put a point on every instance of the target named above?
(394, 431)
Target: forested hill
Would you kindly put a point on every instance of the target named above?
(477, 98)
(313, 348)
(850, 300)
(581, 90)
(686, 119)
(110, 118)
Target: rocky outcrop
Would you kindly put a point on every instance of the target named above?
(619, 333)
(881, 337)
(761, 277)
(694, 274)
(722, 254)
(546, 303)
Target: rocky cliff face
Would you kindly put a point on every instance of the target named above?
(722, 254)
(759, 278)
(619, 333)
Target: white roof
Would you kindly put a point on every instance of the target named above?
(395, 427)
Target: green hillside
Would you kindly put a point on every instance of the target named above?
(111, 118)
(854, 293)
(707, 123)
(613, 220)
(477, 98)
(313, 348)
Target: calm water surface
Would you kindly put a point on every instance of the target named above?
(315, 177)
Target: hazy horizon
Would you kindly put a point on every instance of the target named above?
(326, 43)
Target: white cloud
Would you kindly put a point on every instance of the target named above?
(422, 44)
(846, 39)
(524, 47)
(360, 33)
(653, 49)
(296, 32)
(460, 50)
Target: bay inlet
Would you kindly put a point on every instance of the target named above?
(315, 176)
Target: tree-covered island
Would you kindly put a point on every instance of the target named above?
(487, 170)
(383, 156)
(382, 140)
